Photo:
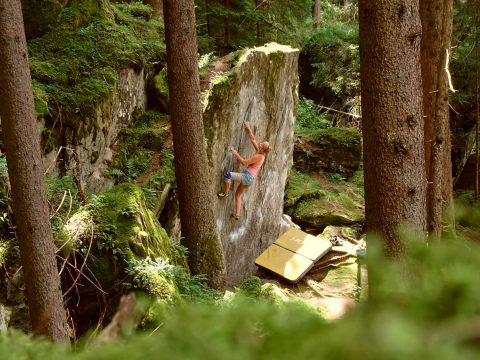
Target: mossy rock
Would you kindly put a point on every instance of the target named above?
(337, 210)
(39, 16)
(336, 150)
(77, 63)
(114, 230)
(122, 226)
(80, 12)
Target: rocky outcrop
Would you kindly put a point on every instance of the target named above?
(335, 150)
(266, 80)
(117, 241)
(89, 148)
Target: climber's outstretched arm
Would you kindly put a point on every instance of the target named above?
(255, 158)
(251, 136)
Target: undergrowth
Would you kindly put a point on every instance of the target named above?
(426, 313)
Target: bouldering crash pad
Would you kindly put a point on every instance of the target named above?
(293, 254)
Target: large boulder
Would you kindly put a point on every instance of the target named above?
(260, 85)
(334, 150)
(114, 241)
(90, 146)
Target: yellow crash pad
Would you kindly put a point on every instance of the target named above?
(300, 242)
(293, 254)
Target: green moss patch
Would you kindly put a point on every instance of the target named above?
(314, 202)
(116, 228)
(142, 156)
(78, 68)
(345, 137)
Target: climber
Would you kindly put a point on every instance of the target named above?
(246, 178)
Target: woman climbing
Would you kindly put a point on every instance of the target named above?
(246, 178)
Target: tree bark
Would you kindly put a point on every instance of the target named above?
(436, 17)
(22, 145)
(191, 167)
(316, 14)
(395, 184)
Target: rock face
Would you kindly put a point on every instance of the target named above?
(265, 80)
(89, 148)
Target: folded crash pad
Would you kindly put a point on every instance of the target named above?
(293, 254)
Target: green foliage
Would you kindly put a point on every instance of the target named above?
(423, 307)
(465, 59)
(309, 118)
(299, 186)
(6, 212)
(164, 175)
(251, 287)
(251, 23)
(3, 167)
(137, 146)
(78, 69)
(467, 214)
(153, 276)
(330, 58)
(346, 137)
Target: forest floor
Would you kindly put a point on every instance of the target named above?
(332, 285)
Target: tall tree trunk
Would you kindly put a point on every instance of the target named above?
(22, 145)
(390, 32)
(436, 17)
(191, 166)
(477, 109)
(316, 14)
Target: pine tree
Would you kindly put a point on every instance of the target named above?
(390, 33)
(191, 166)
(25, 170)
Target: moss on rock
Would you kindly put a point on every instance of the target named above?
(314, 206)
(117, 229)
(78, 68)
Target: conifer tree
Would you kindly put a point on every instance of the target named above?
(25, 170)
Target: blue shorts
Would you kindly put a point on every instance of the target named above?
(247, 178)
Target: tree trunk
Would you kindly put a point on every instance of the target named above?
(395, 184)
(191, 167)
(22, 145)
(477, 109)
(316, 14)
(436, 17)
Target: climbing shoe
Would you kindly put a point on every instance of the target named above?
(236, 217)
(222, 195)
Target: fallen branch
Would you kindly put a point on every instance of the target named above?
(81, 192)
(339, 111)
